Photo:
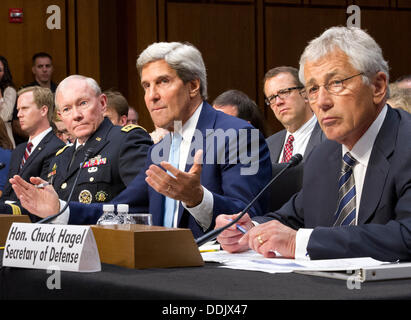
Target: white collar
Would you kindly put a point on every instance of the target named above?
(363, 147)
(37, 139)
(189, 127)
(304, 129)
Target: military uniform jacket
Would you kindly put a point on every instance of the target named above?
(37, 163)
(116, 156)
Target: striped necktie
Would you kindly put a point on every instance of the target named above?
(346, 210)
(288, 149)
(173, 159)
(26, 154)
(75, 154)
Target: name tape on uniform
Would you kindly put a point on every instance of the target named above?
(40, 246)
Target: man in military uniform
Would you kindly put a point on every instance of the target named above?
(108, 156)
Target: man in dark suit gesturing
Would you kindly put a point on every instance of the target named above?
(181, 186)
(356, 195)
(35, 107)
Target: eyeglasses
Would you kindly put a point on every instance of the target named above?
(282, 94)
(333, 87)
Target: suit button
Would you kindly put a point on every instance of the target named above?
(64, 185)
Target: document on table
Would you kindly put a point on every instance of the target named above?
(253, 261)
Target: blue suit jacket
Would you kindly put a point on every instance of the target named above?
(231, 190)
(384, 217)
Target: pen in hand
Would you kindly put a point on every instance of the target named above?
(42, 185)
(239, 228)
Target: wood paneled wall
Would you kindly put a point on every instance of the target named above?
(239, 39)
(19, 41)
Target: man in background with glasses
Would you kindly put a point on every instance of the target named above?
(356, 194)
(285, 95)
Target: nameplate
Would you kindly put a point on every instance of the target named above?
(45, 246)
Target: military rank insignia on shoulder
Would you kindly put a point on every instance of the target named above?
(62, 150)
(129, 127)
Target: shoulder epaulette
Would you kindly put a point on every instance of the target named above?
(129, 127)
(62, 150)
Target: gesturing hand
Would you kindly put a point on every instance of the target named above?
(42, 202)
(184, 186)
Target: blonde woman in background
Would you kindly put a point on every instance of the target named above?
(7, 96)
(5, 154)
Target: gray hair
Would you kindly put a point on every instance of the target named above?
(184, 58)
(363, 52)
(90, 81)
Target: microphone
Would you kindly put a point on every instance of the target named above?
(2, 165)
(295, 160)
(86, 157)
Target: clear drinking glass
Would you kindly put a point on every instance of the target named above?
(141, 218)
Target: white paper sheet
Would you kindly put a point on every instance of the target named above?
(251, 260)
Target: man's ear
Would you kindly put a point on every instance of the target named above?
(123, 120)
(103, 101)
(379, 87)
(194, 87)
(44, 110)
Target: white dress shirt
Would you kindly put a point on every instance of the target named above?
(361, 152)
(37, 139)
(301, 137)
(203, 212)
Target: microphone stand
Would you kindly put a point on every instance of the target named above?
(47, 219)
(296, 159)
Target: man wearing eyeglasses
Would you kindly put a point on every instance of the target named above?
(356, 195)
(285, 95)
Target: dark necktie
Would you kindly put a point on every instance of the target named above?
(288, 149)
(346, 210)
(75, 154)
(26, 154)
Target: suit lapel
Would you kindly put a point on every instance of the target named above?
(277, 145)
(40, 147)
(17, 156)
(206, 121)
(315, 139)
(331, 184)
(378, 166)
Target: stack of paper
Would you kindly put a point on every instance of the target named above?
(251, 260)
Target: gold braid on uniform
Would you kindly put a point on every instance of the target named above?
(15, 209)
(129, 127)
